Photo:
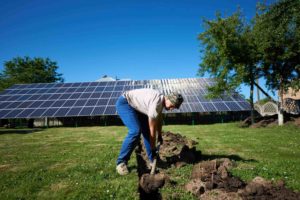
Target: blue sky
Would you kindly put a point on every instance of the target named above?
(135, 39)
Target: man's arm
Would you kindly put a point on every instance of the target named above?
(159, 129)
(153, 128)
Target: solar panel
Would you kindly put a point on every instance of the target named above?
(99, 98)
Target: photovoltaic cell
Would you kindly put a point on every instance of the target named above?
(99, 89)
(99, 98)
(98, 110)
(86, 111)
(85, 95)
(221, 106)
(62, 112)
(50, 112)
(46, 104)
(13, 113)
(64, 96)
(233, 106)
(74, 111)
(34, 97)
(4, 112)
(80, 102)
(69, 103)
(75, 96)
(208, 107)
(25, 104)
(106, 95)
(96, 95)
(92, 102)
(102, 102)
(26, 113)
(13, 105)
(58, 103)
(35, 104)
(37, 113)
(110, 110)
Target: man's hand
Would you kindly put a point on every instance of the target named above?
(154, 153)
(160, 139)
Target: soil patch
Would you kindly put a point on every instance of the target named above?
(268, 121)
(212, 180)
(176, 151)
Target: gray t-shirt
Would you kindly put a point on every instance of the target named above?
(147, 101)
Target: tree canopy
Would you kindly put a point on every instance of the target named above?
(229, 53)
(236, 51)
(277, 33)
(22, 70)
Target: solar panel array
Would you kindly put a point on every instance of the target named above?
(98, 98)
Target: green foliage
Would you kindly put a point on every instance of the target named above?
(229, 53)
(27, 70)
(236, 52)
(277, 31)
(263, 101)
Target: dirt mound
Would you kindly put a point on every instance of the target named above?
(296, 121)
(209, 175)
(177, 150)
(212, 180)
(259, 188)
(268, 121)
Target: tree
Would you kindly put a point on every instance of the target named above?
(277, 31)
(26, 70)
(229, 54)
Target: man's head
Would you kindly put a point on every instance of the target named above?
(173, 100)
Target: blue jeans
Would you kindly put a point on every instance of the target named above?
(137, 124)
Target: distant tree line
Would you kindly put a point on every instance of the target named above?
(22, 70)
(236, 51)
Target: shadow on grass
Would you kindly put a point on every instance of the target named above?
(203, 157)
(141, 170)
(190, 156)
(19, 131)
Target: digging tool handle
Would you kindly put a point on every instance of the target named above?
(153, 166)
(155, 160)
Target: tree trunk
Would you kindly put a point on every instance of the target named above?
(257, 92)
(280, 105)
(251, 97)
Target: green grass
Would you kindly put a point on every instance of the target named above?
(79, 163)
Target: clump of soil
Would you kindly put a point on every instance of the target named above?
(152, 182)
(212, 180)
(177, 150)
(209, 175)
(260, 188)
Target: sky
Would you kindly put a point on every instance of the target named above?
(127, 39)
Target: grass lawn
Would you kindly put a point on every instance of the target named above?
(79, 163)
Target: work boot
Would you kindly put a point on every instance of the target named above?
(122, 169)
